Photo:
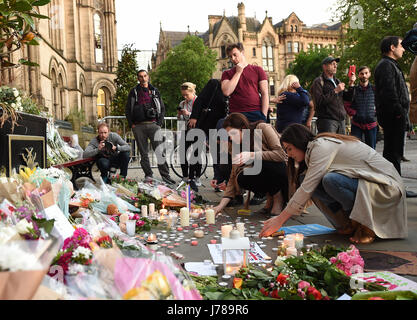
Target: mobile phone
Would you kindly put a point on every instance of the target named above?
(352, 70)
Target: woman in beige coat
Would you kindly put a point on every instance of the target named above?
(258, 162)
(357, 190)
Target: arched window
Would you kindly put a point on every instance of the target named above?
(296, 28)
(271, 86)
(55, 95)
(62, 109)
(292, 28)
(98, 38)
(103, 102)
(268, 55)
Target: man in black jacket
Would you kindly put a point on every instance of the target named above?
(145, 113)
(392, 99)
(327, 92)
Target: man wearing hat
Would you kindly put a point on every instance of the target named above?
(327, 92)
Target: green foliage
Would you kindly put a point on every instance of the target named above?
(307, 65)
(190, 61)
(17, 23)
(380, 19)
(126, 79)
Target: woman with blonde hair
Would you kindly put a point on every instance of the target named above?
(291, 103)
(190, 173)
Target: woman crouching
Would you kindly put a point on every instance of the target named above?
(260, 148)
(358, 190)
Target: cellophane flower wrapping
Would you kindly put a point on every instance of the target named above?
(23, 264)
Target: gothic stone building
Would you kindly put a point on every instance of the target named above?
(77, 57)
(272, 46)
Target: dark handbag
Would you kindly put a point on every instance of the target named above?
(205, 110)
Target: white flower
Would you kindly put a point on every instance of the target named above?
(15, 92)
(13, 258)
(6, 234)
(13, 105)
(82, 252)
(75, 268)
(23, 226)
(18, 99)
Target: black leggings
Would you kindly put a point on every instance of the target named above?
(272, 179)
(191, 171)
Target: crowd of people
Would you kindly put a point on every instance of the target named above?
(357, 189)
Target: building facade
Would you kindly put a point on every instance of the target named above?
(77, 59)
(272, 46)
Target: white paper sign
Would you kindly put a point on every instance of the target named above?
(389, 280)
(61, 225)
(256, 255)
(201, 268)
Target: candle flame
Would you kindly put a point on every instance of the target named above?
(152, 238)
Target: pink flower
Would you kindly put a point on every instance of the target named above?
(333, 260)
(343, 257)
(140, 223)
(301, 293)
(136, 217)
(303, 284)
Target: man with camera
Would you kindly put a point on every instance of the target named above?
(145, 113)
(110, 150)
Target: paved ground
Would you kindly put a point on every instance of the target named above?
(313, 215)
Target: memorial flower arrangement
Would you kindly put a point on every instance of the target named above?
(349, 261)
(308, 277)
(76, 250)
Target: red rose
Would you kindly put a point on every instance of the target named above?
(264, 292)
(275, 294)
(282, 279)
(314, 292)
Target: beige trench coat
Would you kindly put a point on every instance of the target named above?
(380, 202)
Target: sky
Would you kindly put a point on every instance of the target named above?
(139, 22)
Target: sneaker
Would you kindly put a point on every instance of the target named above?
(168, 180)
(148, 179)
(198, 182)
(193, 185)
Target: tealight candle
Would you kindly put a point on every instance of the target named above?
(180, 229)
(199, 233)
(226, 230)
(299, 240)
(144, 210)
(194, 243)
(163, 211)
(185, 217)
(213, 241)
(195, 214)
(210, 216)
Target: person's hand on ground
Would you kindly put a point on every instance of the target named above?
(274, 224)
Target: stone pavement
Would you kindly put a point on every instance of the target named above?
(314, 216)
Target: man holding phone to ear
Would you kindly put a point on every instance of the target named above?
(360, 105)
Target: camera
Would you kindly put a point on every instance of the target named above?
(151, 113)
(179, 108)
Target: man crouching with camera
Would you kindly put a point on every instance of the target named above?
(110, 150)
(145, 113)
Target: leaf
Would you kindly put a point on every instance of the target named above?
(311, 268)
(22, 6)
(40, 3)
(214, 295)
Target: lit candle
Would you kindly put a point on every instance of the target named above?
(289, 242)
(299, 240)
(144, 210)
(199, 233)
(210, 216)
(163, 211)
(291, 252)
(194, 243)
(185, 217)
(240, 226)
(226, 230)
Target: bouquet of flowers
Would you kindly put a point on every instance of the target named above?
(349, 261)
(76, 250)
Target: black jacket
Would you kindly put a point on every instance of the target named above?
(132, 101)
(391, 92)
(363, 102)
(327, 103)
(210, 106)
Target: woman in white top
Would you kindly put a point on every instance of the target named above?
(190, 172)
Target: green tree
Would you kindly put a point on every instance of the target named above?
(307, 65)
(367, 26)
(17, 25)
(126, 79)
(189, 61)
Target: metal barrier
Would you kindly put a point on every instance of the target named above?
(170, 124)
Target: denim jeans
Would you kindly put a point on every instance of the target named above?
(121, 160)
(369, 135)
(337, 191)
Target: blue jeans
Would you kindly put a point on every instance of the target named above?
(254, 116)
(337, 191)
(370, 135)
(121, 160)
